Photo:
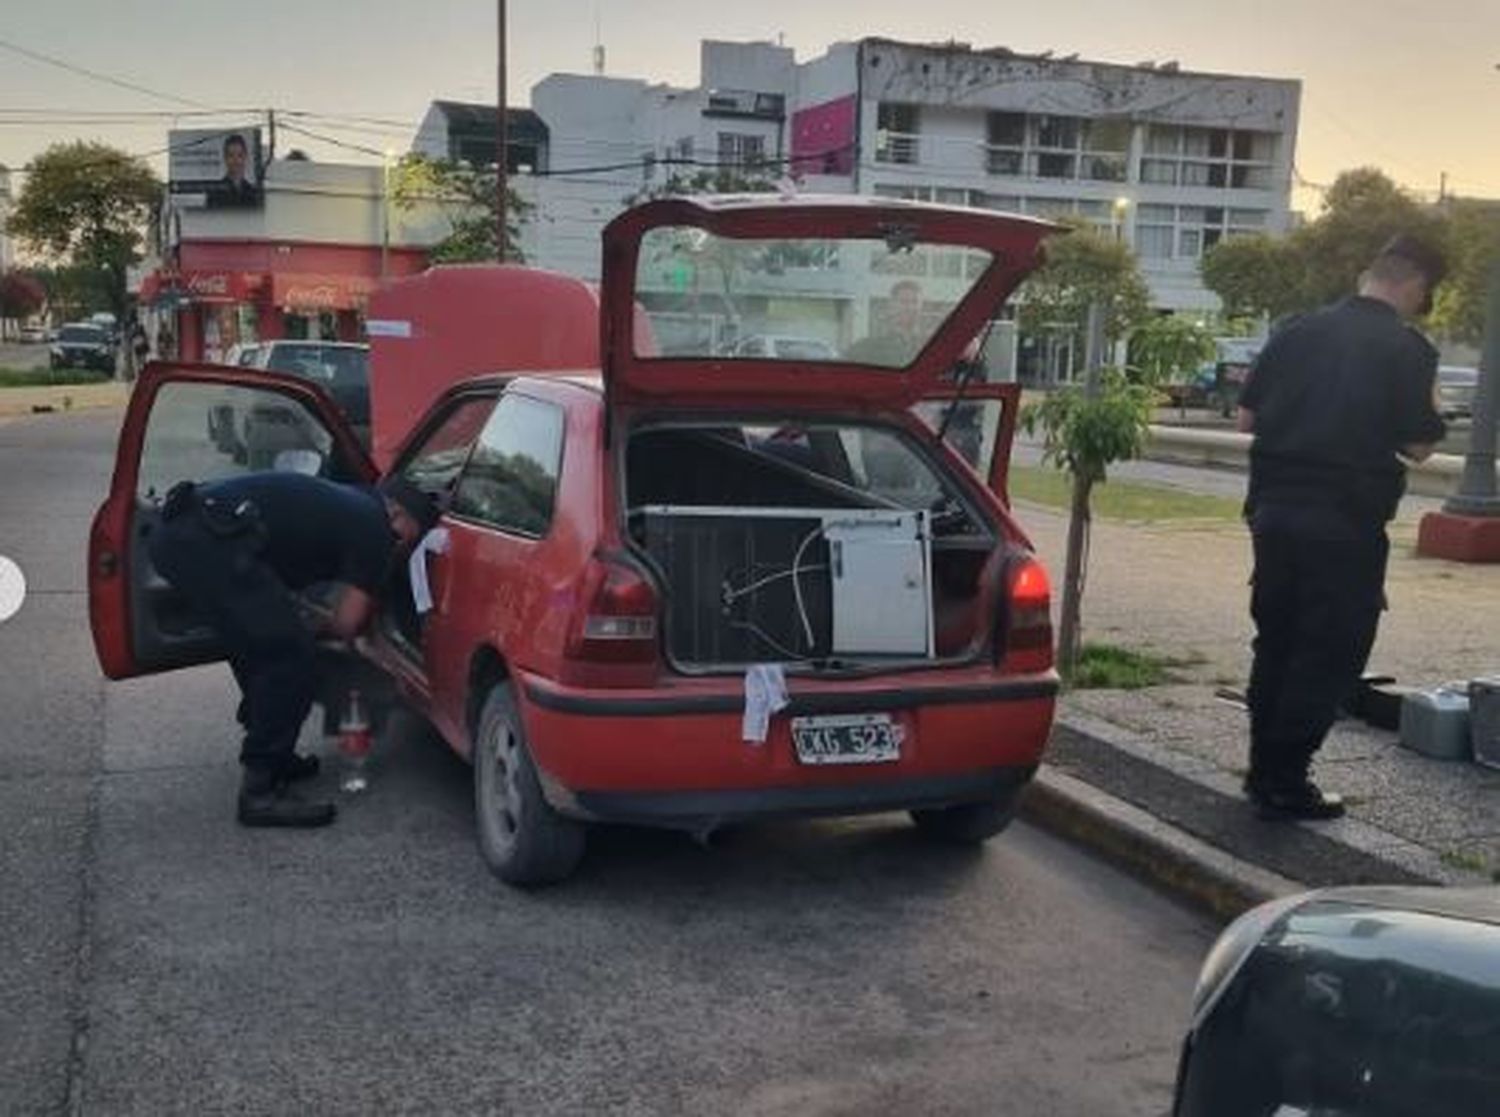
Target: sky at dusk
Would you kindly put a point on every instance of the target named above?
(1412, 88)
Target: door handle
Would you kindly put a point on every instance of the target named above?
(109, 564)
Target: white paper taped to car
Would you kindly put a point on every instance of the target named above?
(765, 694)
(435, 542)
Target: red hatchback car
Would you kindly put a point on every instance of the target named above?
(688, 588)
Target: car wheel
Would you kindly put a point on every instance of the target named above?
(522, 839)
(968, 823)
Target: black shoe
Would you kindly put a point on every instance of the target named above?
(268, 802)
(1304, 800)
(300, 768)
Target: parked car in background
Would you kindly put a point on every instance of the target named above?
(784, 348)
(255, 437)
(1457, 388)
(83, 345)
(34, 335)
(1350, 1002)
(1231, 369)
(634, 553)
(109, 324)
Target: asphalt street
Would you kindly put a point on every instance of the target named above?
(157, 959)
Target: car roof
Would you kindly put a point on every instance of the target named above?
(1473, 905)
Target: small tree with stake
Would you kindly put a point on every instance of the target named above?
(1087, 428)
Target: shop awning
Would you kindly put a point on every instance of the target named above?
(300, 291)
(200, 286)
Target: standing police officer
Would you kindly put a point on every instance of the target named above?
(1336, 400)
(236, 549)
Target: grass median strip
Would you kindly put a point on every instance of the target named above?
(1121, 500)
(47, 378)
(1111, 667)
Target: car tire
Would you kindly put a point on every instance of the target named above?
(968, 823)
(521, 838)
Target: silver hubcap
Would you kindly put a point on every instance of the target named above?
(504, 786)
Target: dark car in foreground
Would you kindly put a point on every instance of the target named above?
(83, 345)
(1350, 1002)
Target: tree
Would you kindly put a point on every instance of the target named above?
(1472, 246)
(74, 292)
(1085, 267)
(1255, 275)
(88, 205)
(21, 296)
(1086, 429)
(1168, 347)
(1361, 211)
(1322, 261)
(468, 198)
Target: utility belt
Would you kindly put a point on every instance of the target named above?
(239, 521)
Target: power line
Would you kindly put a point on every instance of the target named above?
(116, 159)
(321, 138)
(95, 75)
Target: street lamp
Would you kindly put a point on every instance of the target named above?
(385, 210)
(1121, 208)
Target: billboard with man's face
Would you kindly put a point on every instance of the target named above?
(221, 167)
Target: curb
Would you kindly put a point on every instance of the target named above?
(1195, 872)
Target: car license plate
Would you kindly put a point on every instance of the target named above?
(847, 739)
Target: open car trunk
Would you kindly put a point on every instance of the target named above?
(825, 545)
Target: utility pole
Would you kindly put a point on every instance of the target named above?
(501, 126)
(1476, 494)
(1467, 529)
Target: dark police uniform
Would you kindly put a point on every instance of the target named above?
(1335, 393)
(235, 549)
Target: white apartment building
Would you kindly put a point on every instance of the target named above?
(1169, 160)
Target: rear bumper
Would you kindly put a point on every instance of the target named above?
(676, 756)
(691, 810)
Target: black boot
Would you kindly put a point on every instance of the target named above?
(267, 801)
(1301, 799)
(301, 767)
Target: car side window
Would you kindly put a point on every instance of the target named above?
(207, 432)
(511, 480)
(434, 464)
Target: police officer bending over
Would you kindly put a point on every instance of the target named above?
(1336, 399)
(237, 549)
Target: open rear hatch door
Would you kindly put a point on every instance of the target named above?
(764, 299)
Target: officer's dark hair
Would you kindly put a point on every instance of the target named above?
(234, 139)
(422, 508)
(1405, 257)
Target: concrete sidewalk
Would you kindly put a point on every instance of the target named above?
(1177, 752)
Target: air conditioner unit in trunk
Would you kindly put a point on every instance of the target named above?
(749, 585)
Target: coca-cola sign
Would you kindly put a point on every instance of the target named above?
(207, 284)
(318, 296)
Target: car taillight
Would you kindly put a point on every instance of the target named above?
(619, 620)
(1028, 630)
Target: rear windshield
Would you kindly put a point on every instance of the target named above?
(84, 335)
(867, 301)
(326, 364)
(792, 464)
